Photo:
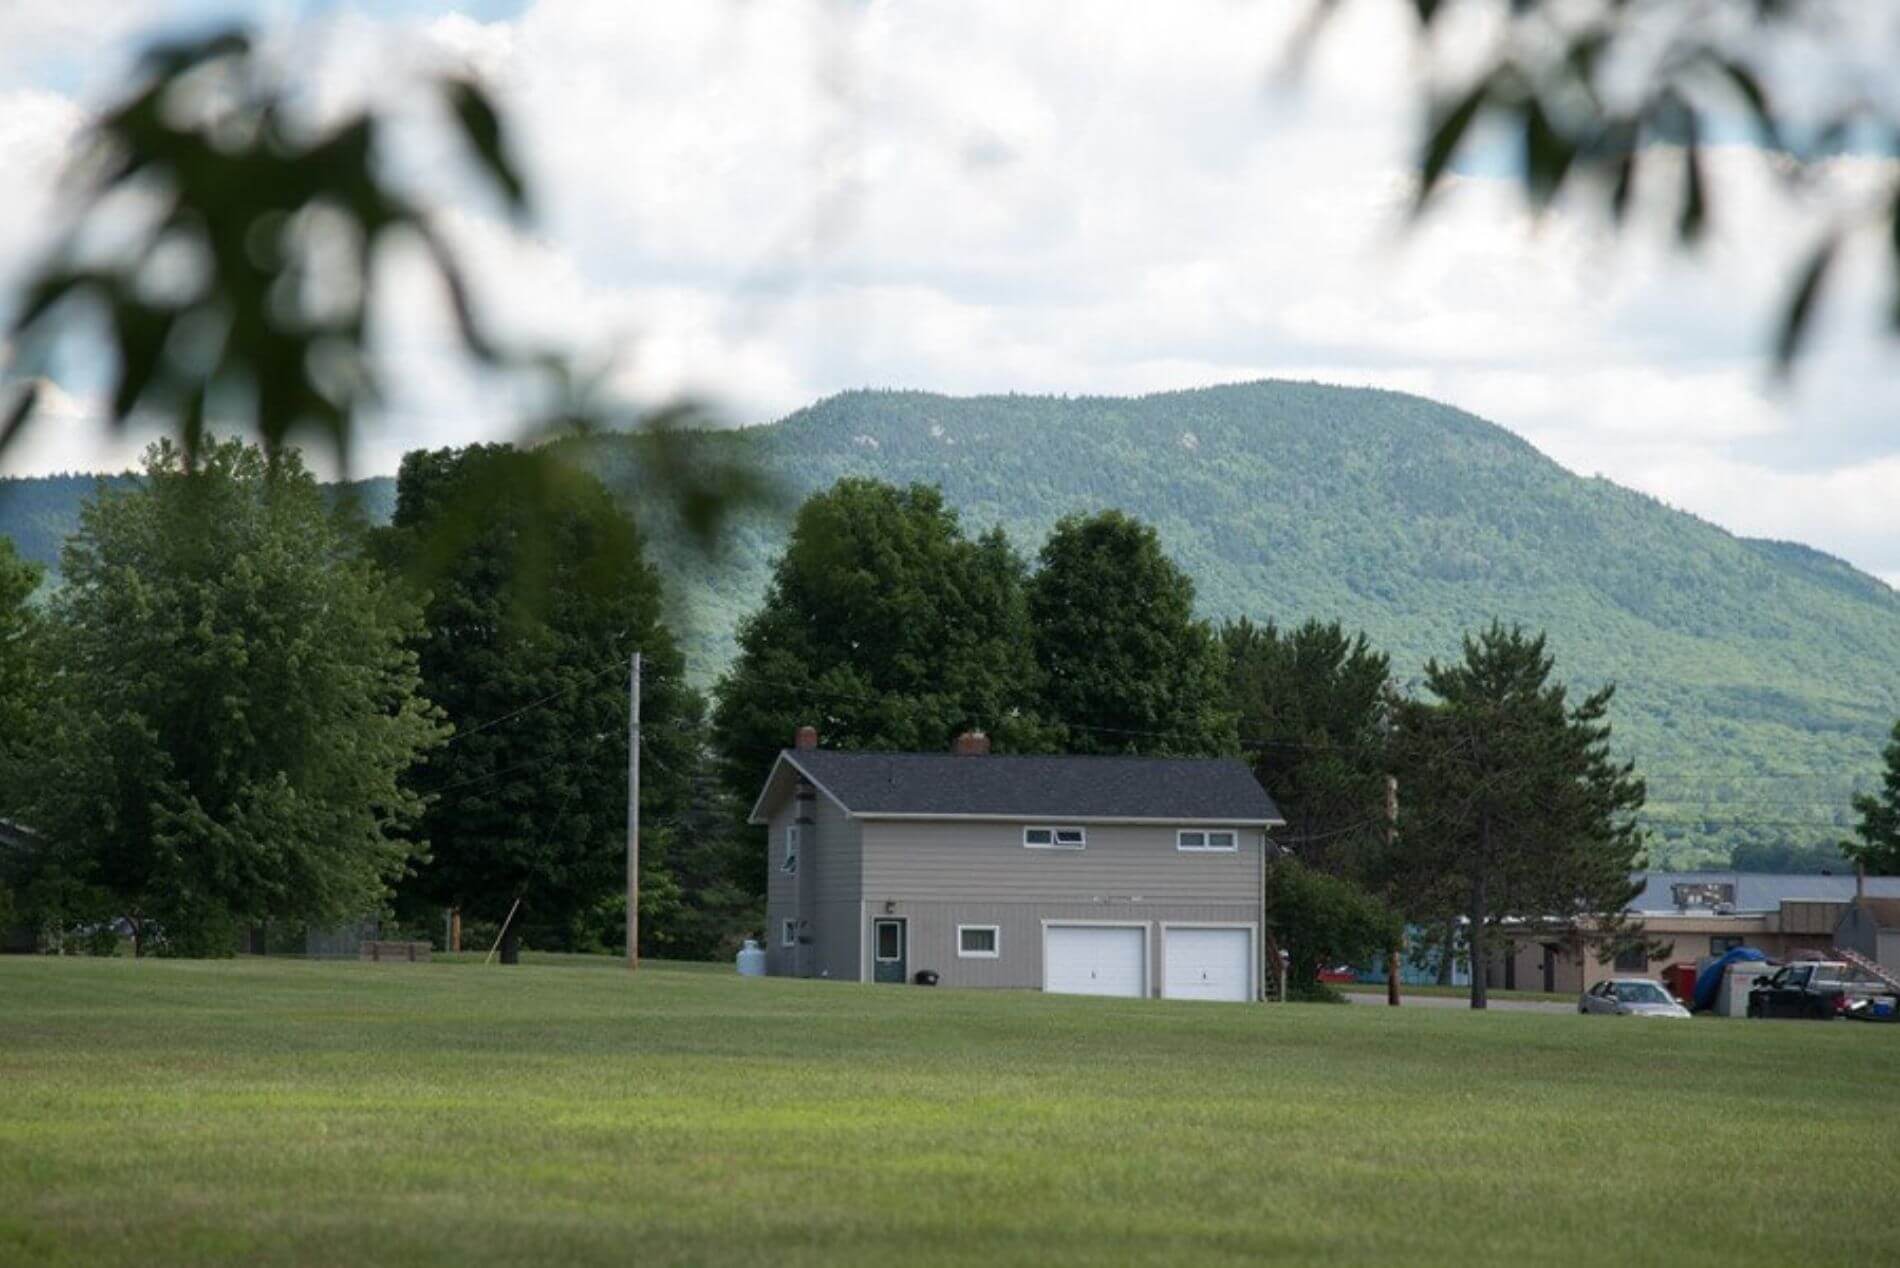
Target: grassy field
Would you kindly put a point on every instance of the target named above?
(278, 1112)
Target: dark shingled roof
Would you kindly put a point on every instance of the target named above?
(1041, 787)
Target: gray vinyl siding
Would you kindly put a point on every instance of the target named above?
(932, 929)
(833, 894)
(975, 861)
(781, 894)
(824, 894)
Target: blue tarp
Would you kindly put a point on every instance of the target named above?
(1708, 983)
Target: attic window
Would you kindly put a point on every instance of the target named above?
(1055, 838)
(790, 864)
(1220, 841)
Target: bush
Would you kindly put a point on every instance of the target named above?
(1321, 920)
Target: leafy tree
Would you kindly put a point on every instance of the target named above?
(233, 708)
(1321, 920)
(538, 594)
(1877, 843)
(1311, 704)
(1511, 795)
(1126, 667)
(885, 627)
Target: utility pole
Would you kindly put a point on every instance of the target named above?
(633, 816)
(1391, 828)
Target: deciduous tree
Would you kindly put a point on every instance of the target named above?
(1321, 920)
(233, 707)
(885, 627)
(1126, 667)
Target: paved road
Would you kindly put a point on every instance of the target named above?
(1459, 1001)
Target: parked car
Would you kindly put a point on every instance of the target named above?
(1630, 997)
(1818, 990)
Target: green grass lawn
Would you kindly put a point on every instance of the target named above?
(281, 1112)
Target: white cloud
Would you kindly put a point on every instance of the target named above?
(767, 201)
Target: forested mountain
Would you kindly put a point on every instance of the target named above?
(1757, 679)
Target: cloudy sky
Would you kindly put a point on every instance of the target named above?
(765, 201)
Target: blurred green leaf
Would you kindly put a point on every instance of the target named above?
(19, 411)
(1547, 154)
(1799, 312)
(1693, 217)
(481, 128)
(1750, 89)
(1448, 129)
(1893, 237)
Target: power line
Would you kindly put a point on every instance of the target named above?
(533, 704)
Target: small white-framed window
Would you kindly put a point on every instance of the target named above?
(1207, 841)
(790, 863)
(1055, 838)
(979, 942)
(788, 932)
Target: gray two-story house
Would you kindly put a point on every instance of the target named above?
(1090, 875)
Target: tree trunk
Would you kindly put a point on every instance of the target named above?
(1448, 957)
(1480, 963)
(138, 938)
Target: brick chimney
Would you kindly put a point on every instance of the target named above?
(971, 744)
(806, 737)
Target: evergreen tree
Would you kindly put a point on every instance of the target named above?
(1877, 847)
(886, 628)
(538, 593)
(1126, 667)
(1311, 704)
(232, 712)
(1510, 796)
(18, 622)
(18, 580)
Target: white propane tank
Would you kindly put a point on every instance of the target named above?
(751, 959)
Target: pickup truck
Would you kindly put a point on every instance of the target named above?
(1819, 990)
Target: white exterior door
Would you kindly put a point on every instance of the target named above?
(1095, 960)
(1207, 963)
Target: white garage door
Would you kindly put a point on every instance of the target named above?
(1095, 959)
(1206, 963)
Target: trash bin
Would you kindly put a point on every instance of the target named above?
(925, 977)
